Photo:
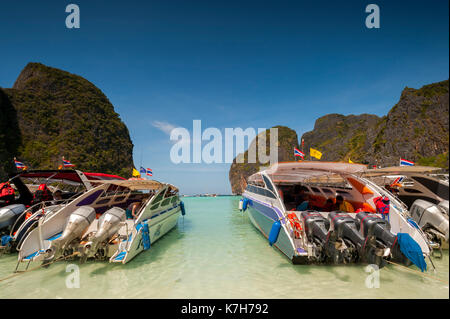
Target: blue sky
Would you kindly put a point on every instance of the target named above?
(229, 63)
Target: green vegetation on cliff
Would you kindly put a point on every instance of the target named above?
(62, 114)
(340, 137)
(239, 172)
(416, 128)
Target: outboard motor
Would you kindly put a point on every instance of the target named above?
(433, 219)
(108, 225)
(77, 224)
(380, 242)
(8, 216)
(346, 236)
(444, 206)
(316, 228)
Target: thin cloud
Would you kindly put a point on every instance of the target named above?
(167, 128)
(164, 126)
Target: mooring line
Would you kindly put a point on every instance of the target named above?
(418, 272)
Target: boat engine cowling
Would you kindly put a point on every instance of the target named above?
(77, 225)
(108, 225)
(381, 244)
(444, 206)
(346, 235)
(316, 225)
(370, 224)
(316, 228)
(9, 214)
(433, 219)
(379, 240)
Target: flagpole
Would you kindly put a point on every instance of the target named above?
(303, 146)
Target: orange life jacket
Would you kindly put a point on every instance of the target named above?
(6, 192)
(295, 223)
(43, 194)
(6, 189)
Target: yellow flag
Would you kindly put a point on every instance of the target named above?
(315, 153)
(350, 161)
(136, 173)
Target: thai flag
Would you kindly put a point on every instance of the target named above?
(404, 162)
(297, 152)
(67, 163)
(19, 165)
(142, 170)
(149, 172)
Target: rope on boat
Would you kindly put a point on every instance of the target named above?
(42, 265)
(418, 272)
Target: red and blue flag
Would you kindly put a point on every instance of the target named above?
(67, 163)
(297, 152)
(404, 162)
(19, 165)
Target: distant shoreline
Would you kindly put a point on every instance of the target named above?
(209, 195)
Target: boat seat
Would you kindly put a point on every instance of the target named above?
(303, 206)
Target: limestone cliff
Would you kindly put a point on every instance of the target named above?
(61, 114)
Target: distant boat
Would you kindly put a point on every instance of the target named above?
(425, 192)
(308, 233)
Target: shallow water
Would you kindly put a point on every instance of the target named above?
(215, 252)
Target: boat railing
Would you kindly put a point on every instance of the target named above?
(36, 210)
(403, 210)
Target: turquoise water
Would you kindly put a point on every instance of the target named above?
(215, 252)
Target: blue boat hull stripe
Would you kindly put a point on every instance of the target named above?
(278, 214)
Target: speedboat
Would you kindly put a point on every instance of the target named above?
(79, 231)
(22, 214)
(424, 192)
(310, 234)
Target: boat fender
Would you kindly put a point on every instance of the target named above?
(241, 204)
(244, 204)
(183, 211)
(274, 232)
(145, 236)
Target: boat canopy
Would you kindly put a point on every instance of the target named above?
(69, 175)
(101, 176)
(137, 184)
(401, 170)
(324, 172)
(66, 174)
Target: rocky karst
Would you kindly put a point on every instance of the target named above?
(416, 128)
(52, 113)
